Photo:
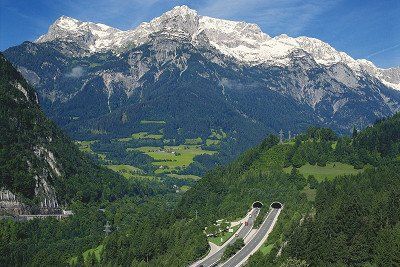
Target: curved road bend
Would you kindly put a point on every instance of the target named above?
(240, 257)
(242, 233)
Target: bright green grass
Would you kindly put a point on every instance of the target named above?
(266, 249)
(145, 149)
(182, 158)
(212, 142)
(173, 157)
(334, 144)
(85, 146)
(124, 168)
(194, 141)
(290, 142)
(217, 134)
(126, 139)
(97, 253)
(145, 135)
(330, 171)
(184, 188)
(129, 172)
(152, 122)
(221, 239)
(184, 176)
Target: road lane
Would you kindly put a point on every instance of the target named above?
(243, 254)
(242, 233)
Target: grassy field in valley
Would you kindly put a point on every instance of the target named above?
(145, 135)
(129, 172)
(141, 135)
(194, 141)
(85, 146)
(212, 142)
(330, 171)
(184, 176)
(171, 158)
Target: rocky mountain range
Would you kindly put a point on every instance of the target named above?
(198, 73)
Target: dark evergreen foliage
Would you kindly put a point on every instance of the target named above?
(24, 128)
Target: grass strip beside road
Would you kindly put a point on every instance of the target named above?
(224, 236)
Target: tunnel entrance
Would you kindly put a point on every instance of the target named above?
(257, 204)
(276, 205)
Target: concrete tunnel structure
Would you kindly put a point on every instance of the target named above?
(257, 204)
(274, 205)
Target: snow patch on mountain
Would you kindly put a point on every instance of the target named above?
(245, 42)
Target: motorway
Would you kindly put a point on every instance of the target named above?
(242, 233)
(242, 255)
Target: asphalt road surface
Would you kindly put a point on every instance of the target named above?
(249, 247)
(213, 259)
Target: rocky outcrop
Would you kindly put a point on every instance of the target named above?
(10, 204)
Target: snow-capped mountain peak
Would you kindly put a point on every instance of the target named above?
(245, 42)
(89, 35)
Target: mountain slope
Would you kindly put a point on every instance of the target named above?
(197, 74)
(347, 219)
(243, 41)
(38, 163)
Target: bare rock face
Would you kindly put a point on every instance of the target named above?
(188, 69)
(10, 204)
(245, 42)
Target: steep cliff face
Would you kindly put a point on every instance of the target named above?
(40, 169)
(198, 73)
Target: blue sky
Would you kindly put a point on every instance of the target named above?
(362, 28)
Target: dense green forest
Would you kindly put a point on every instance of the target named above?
(350, 220)
(25, 130)
(355, 220)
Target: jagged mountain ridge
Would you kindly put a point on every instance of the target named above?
(199, 73)
(243, 41)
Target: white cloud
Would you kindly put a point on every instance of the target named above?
(76, 72)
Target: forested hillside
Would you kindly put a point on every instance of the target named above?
(355, 220)
(33, 151)
(349, 220)
(340, 195)
(35, 155)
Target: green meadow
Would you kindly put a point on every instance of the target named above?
(129, 172)
(170, 158)
(330, 171)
